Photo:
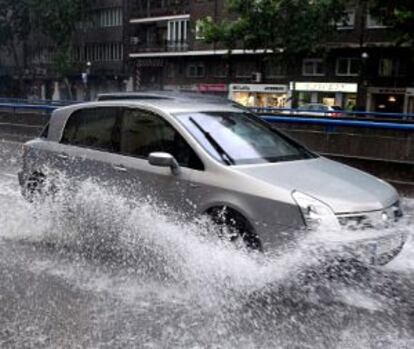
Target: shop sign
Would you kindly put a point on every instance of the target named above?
(212, 88)
(326, 87)
(258, 88)
(387, 90)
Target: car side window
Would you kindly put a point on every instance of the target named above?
(143, 133)
(93, 128)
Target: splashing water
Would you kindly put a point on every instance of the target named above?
(105, 271)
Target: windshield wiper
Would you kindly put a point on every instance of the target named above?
(218, 148)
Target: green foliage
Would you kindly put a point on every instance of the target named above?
(58, 20)
(398, 14)
(288, 26)
(14, 21)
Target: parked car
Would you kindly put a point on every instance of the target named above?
(321, 110)
(201, 157)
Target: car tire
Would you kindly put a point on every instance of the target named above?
(234, 227)
(34, 187)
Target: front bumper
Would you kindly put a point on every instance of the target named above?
(380, 250)
(375, 237)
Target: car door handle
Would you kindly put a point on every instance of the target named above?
(63, 156)
(119, 168)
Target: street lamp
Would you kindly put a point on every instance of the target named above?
(85, 77)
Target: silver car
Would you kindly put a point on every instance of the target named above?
(321, 110)
(205, 156)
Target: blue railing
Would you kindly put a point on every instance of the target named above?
(340, 122)
(401, 125)
(35, 101)
(334, 113)
(25, 107)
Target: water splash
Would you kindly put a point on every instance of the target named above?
(163, 282)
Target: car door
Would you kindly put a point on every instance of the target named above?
(142, 133)
(88, 138)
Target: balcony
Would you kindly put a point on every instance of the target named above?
(159, 8)
(159, 46)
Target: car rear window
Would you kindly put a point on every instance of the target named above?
(93, 128)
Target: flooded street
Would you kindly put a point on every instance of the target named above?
(94, 271)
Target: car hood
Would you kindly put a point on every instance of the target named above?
(343, 188)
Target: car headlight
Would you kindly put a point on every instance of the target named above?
(316, 213)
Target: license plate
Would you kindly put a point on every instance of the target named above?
(385, 246)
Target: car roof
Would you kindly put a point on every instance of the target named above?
(172, 102)
(130, 96)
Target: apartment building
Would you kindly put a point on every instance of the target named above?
(98, 64)
(361, 68)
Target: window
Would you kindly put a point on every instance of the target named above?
(178, 30)
(389, 67)
(238, 138)
(108, 17)
(348, 21)
(143, 133)
(374, 22)
(93, 128)
(220, 70)
(275, 69)
(196, 70)
(104, 52)
(347, 66)
(313, 67)
(171, 70)
(245, 69)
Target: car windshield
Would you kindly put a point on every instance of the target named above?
(238, 138)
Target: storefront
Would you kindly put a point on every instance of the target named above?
(386, 99)
(217, 89)
(339, 94)
(260, 95)
(409, 101)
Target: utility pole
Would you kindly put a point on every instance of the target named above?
(363, 55)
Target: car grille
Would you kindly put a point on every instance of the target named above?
(374, 219)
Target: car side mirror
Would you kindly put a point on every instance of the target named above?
(164, 160)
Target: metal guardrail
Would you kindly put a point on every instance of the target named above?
(340, 122)
(334, 113)
(34, 107)
(291, 119)
(35, 101)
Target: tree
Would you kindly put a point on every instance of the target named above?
(14, 30)
(290, 27)
(58, 20)
(398, 14)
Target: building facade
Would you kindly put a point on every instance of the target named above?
(125, 45)
(361, 69)
(98, 63)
